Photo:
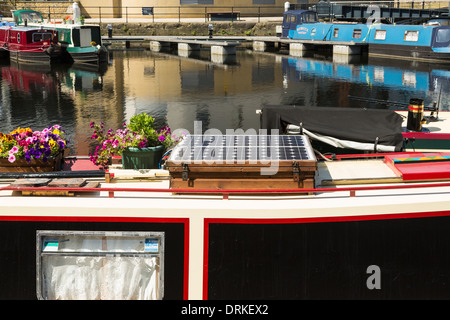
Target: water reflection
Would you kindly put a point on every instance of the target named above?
(180, 90)
(410, 78)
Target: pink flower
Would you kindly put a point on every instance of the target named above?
(11, 158)
(161, 138)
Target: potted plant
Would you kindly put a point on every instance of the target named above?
(139, 143)
(25, 150)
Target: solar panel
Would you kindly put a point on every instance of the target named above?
(235, 148)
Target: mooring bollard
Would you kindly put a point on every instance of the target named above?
(109, 27)
(210, 30)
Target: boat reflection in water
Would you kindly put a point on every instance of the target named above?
(412, 78)
(30, 78)
(178, 91)
(39, 95)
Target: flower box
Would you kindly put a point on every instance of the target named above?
(35, 165)
(142, 158)
(25, 150)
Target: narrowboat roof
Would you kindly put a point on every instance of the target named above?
(29, 28)
(297, 12)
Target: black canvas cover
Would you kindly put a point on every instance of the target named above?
(359, 125)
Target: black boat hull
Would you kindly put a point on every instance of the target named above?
(408, 52)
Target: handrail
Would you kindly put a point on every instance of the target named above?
(226, 192)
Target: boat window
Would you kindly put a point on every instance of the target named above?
(293, 18)
(380, 34)
(99, 265)
(411, 35)
(335, 33)
(18, 38)
(309, 17)
(443, 35)
(37, 37)
(357, 34)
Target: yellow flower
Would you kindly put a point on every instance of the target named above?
(6, 137)
(21, 130)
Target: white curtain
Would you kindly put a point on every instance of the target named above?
(105, 278)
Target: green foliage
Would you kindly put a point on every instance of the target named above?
(142, 124)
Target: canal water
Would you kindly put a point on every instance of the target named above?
(178, 91)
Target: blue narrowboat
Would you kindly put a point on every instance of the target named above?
(422, 42)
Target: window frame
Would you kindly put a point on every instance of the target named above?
(380, 34)
(45, 247)
(42, 36)
(357, 33)
(411, 35)
(335, 32)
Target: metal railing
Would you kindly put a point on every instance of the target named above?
(226, 193)
(152, 14)
(201, 13)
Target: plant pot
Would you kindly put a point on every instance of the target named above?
(35, 165)
(142, 158)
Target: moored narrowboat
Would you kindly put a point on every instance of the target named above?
(83, 42)
(31, 44)
(429, 42)
(369, 228)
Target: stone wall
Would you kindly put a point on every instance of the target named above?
(192, 29)
(56, 9)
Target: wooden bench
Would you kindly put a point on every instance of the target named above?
(223, 15)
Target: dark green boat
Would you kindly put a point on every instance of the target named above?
(83, 42)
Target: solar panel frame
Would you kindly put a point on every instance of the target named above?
(233, 149)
